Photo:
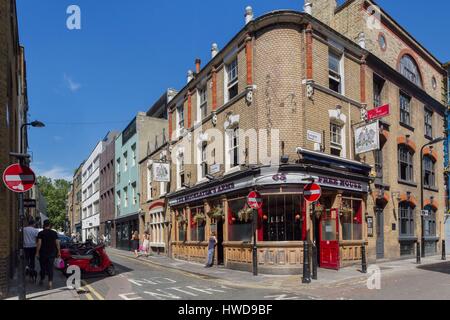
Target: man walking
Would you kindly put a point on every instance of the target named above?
(30, 234)
(211, 248)
(48, 248)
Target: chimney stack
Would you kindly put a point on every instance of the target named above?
(198, 64)
(190, 76)
(214, 50)
(248, 14)
(308, 7)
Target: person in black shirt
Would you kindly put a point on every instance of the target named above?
(48, 248)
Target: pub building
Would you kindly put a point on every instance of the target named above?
(336, 223)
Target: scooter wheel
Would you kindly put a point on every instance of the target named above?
(111, 271)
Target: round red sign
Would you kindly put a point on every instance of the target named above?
(312, 192)
(254, 200)
(19, 178)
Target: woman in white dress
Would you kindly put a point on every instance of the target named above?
(146, 244)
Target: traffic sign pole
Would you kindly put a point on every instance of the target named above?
(254, 201)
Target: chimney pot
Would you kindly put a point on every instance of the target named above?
(214, 50)
(190, 76)
(308, 7)
(248, 14)
(198, 64)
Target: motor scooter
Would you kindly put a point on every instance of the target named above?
(95, 260)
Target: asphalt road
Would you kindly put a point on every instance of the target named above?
(138, 279)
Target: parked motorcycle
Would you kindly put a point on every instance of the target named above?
(94, 260)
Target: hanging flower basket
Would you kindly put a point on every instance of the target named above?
(245, 214)
(199, 218)
(318, 210)
(182, 221)
(346, 211)
(216, 213)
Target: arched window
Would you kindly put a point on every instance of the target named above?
(410, 70)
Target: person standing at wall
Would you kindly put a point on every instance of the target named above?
(212, 242)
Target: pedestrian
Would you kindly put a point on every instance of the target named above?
(211, 248)
(48, 248)
(146, 244)
(30, 234)
(135, 243)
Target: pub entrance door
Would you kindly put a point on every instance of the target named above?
(329, 240)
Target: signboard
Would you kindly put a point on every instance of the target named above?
(370, 227)
(29, 203)
(161, 172)
(254, 200)
(314, 137)
(312, 192)
(18, 178)
(379, 112)
(367, 138)
(342, 184)
(215, 168)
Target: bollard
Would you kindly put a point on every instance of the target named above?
(444, 253)
(306, 270)
(419, 261)
(314, 259)
(364, 259)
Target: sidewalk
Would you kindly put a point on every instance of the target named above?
(326, 278)
(36, 292)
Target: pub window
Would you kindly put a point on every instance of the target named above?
(336, 139)
(405, 163)
(351, 219)
(428, 124)
(231, 80)
(429, 172)
(378, 84)
(197, 224)
(283, 218)
(239, 220)
(335, 71)
(406, 216)
(181, 225)
(430, 222)
(405, 109)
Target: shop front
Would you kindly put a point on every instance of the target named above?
(124, 230)
(335, 225)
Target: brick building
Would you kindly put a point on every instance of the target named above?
(13, 110)
(447, 158)
(107, 184)
(311, 79)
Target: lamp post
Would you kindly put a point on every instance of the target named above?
(422, 201)
(21, 266)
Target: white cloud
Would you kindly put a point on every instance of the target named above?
(71, 84)
(56, 173)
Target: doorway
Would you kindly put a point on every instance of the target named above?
(220, 256)
(329, 240)
(380, 232)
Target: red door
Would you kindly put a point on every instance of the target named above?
(329, 240)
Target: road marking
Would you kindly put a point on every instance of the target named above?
(282, 297)
(124, 296)
(205, 290)
(182, 291)
(91, 289)
(163, 295)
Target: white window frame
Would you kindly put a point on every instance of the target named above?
(229, 135)
(229, 83)
(134, 194)
(125, 200)
(338, 53)
(339, 119)
(202, 91)
(133, 155)
(125, 162)
(180, 111)
(181, 169)
(149, 181)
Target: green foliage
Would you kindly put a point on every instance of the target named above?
(55, 194)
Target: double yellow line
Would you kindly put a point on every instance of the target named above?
(90, 290)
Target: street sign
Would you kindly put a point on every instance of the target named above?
(314, 137)
(254, 200)
(312, 192)
(18, 178)
(379, 112)
(29, 203)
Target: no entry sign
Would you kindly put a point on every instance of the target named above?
(254, 200)
(19, 178)
(312, 192)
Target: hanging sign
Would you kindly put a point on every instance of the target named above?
(367, 138)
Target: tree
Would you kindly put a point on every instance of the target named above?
(55, 194)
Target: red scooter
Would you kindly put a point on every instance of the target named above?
(94, 260)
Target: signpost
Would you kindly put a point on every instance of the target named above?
(254, 201)
(312, 192)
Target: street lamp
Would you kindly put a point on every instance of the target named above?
(21, 266)
(422, 174)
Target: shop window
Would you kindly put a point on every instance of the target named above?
(406, 216)
(351, 219)
(405, 163)
(282, 218)
(429, 222)
(428, 124)
(239, 220)
(181, 225)
(197, 224)
(429, 172)
(405, 109)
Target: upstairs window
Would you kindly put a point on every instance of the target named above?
(149, 183)
(336, 139)
(378, 85)
(203, 103)
(233, 147)
(405, 109)
(410, 70)
(405, 164)
(406, 217)
(133, 155)
(232, 79)
(204, 162)
(335, 71)
(181, 177)
(180, 114)
(429, 172)
(125, 162)
(428, 124)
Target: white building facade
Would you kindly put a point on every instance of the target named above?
(91, 195)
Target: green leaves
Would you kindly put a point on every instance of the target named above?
(55, 193)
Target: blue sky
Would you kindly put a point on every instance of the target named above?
(83, 83)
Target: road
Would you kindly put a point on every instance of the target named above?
(138, 279)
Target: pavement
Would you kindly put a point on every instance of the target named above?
(160, 278)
